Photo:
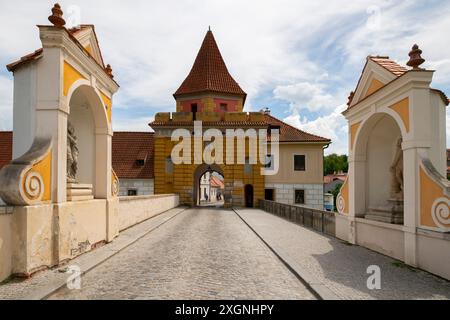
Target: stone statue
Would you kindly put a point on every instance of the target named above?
(72, 154)
(397, 173)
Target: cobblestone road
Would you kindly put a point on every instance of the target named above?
(342, 268)
(200, 254)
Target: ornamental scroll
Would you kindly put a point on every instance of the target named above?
(27, 180)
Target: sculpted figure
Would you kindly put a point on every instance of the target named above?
(397, 172)
(72, 154)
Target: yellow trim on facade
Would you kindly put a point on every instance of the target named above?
(71, 75)
(432, 196)
(37, 182)
(89, 49)
(375, 85)
(108, 104)
(353, 130)
(402, 109)
(342, 202)
(114, 184)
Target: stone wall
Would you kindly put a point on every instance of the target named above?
(285, 193)
(144, 187)
(133, 210)
(33, 238)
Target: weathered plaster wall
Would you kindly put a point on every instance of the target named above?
(133, 210)
(5, 242)
(42, 236)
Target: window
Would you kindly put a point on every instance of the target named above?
(223, 107)
(299, 163)
(169, 165)
(140, 162)
(194, 110)
(269, 194)
(299, 196)
(269, 162)
(132, 192)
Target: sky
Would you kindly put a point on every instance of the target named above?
(299, 58)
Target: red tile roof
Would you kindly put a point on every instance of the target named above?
(394, 68)
(216, 182)
(389, 65)
(127, 149)
(288, 133)
(25, 59)
(5, 148)
(209, 72)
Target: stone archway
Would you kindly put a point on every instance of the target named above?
(89, 120)
(199, 172)
(375, 151)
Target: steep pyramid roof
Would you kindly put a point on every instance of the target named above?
(209, 72)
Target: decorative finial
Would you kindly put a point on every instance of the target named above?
(415, 60)
(57, 16)
(350, 98)
(209, 28)
(108, 70)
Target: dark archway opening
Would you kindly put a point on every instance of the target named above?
(249, 196)
(209, 186)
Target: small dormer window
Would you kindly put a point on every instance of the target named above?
(223, 107)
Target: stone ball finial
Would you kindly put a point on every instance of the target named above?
(57, 16)
(108, 70)
(415, 59)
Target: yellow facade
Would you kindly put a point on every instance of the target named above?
(182, 179)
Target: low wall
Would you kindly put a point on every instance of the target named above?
(133, 210)
(319, 220)
(5, 242)
(433, 252)
(37, 237)
(388, 239)
(432, 248)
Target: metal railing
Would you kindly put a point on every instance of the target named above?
(319, 220)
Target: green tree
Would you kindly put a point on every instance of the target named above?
(335, 163)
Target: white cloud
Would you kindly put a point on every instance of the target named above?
(135, 124)
(6, 100)
(304, 95)
(332, 126)
(284, 47)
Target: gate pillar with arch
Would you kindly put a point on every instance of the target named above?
(397, 149)
(66, 81)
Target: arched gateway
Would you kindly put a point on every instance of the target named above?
(396, 199)
(62, 178)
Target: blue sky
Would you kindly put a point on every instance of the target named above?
(299, 58)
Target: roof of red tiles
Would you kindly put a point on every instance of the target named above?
(27, 58)
(209, 72)
(394, 68)
(289, 133)
(127, 149)
(5, 148)
(216, 182)
(389, 65)
(71, 32)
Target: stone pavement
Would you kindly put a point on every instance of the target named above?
(342, 267)
(46, 282)
(200, 254)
